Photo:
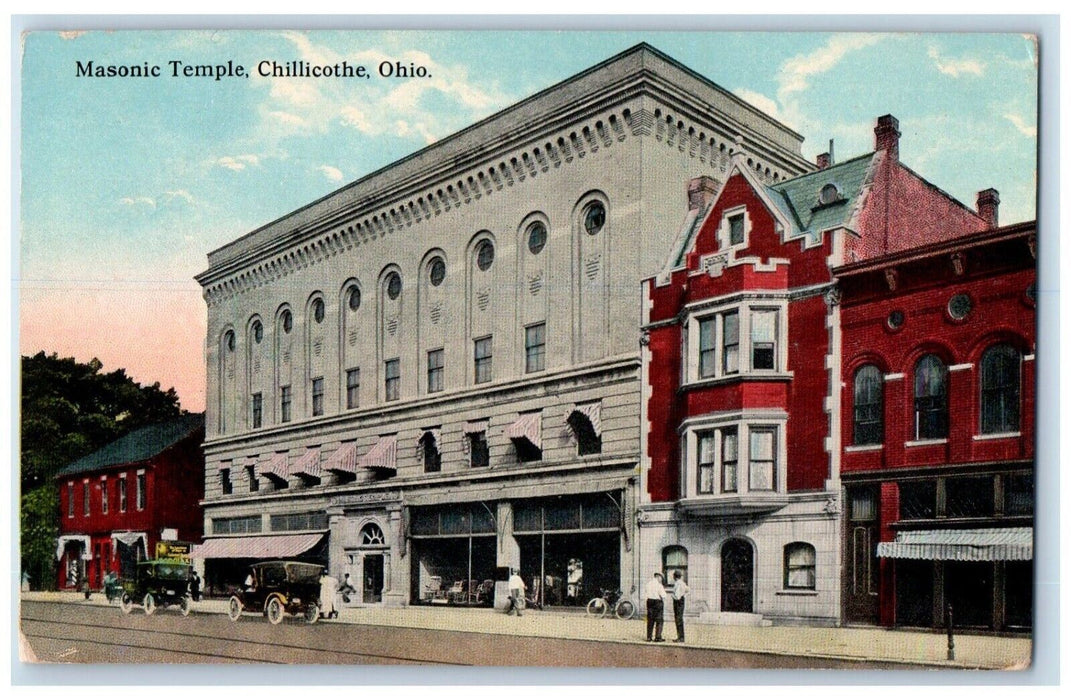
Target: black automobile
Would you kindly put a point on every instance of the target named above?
(276, 588)
(158, 583)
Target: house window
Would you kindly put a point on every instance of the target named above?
(969, 497)
(284, 404)
(288, 321)
(730, 343)
(258, 410)
(710, 467)
(479, 455)
(85, 498)
(918, 500)
(437, 272)
(228, 341)
(482, 354)
(251, 474)
(674, 558)
(715, 338)
(394, 286)
(104, 495)
(800, 566)
(588, 437)
(122, 493)
(1000, 370)
(435, 370)
(433, 460)
(730, 459)
(535, 344)
(708, 348)
(708, 462)
(237, 526)
(353, 388)
(485, 255)
(392, 379)
(736, 229)
(594, 218)
(931, 407)
(537, 237)
(224, 482)
(762, 464)
(318, 310)
(70, 499)
(140, 492)
(258, 331)
(763, 338)
(353, 298)
(1019, 494)
(867, 406)
(318, 396)
(372, 536)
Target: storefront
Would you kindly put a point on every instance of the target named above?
(453, 554)
(226, 560)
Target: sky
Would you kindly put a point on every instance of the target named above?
(127, 183)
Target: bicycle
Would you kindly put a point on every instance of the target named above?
(601, 606)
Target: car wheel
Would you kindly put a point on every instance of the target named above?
(184, 605)
(312, 613)
(149, 603)
(274, 610)
(126, 604)
(234, 608)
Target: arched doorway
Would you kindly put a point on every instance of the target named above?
(373, 554)
(737, 576)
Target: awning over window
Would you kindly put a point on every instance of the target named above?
(309, 464)
(275, 466)
(259, 547)
(61, 544)
(383, 454)
(991, 544)
(435, 433)
(590, 412)
(131, 539)
(474, 426)
(528, 427)
(344, 459)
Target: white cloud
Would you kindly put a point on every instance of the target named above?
(287, 118)
(955, 67)
(331, 173)
(179, 194)
(1025, 128)
(136, 201)
(240, 162)
(758, 100)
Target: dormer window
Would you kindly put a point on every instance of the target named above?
(734, 228)
(828, 194)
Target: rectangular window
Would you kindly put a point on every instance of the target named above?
(736, 229)
(730, 343)
(479, 455)
(122, 493)
(224, 482)
(535, 345)
(969, 497)
(299, 521)
(482, 354)
(1019, 494)
(85, 498)
(435, 370)
(800, 566)
(70, 499)
(433, 459)
(761, 466)
(353, 388)
(237, 526)
(258, 410)
(251, 474)
(140, 494)
(708, 360)
(392, 379)
(707, 462)
(104, 495)
(284, 404)
(318, 396)
(763, 339)
(918, 500)
(730, 450)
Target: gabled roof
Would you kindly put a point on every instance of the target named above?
(137, 446)
(798, 197)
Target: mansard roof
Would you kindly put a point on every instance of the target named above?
(137, 446)
(799, 197)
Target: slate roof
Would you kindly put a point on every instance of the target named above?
(137, 446)
(798, 197)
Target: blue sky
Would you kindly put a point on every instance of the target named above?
(128, 183)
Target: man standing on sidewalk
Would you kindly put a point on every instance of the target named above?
(680, 589)
(654, 592)
(516, 594)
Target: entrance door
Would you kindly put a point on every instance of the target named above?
(737, 576)
(373, 578)
(861, 570)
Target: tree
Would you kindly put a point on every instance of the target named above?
(68, 410)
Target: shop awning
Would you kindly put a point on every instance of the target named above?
(344, 459)
(275, 466)
(527, 427)
(257, 547)
(383, 454)
(591, 412)
(131, 539)
(309, 464)
(990, 544)
(61, 544)
(474, 426)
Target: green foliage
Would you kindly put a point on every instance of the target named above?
(39, 528)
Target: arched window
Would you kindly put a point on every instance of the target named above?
(675, 558)
(867, 406)
(931, 399)
(1000, 389)
(800, 566)
(372, 535)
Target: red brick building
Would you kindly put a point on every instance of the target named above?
(747, 426)
(117, 503)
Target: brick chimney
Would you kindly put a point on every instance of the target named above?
(887, 136)
(701, 191)
(988, 203)
(823, 161)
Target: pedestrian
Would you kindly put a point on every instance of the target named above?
(346, 588)
(195, 586)
(654, 593)
(680, 590)
(516, 594)
(328, 591)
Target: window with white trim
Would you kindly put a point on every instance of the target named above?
(70, 499)
(122, 493)
(104, 495)
(734, 228)
(717, 334)
(737, 457)
(800, 563)
(141, 488)
(85, 497)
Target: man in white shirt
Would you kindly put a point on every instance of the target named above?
(654, 592)
(516, 594)
(680, 589)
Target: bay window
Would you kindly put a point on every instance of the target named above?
(735, 456)
(715, 341)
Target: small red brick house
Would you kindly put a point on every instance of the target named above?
(118, 502)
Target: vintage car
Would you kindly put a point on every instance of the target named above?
(278, 587)
(157, 583)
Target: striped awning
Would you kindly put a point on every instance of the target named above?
(275, 466)
(591, 412)
(256, 547)
(474, 426)
(344, 459)
(383, 454)
(309, 464)
(989, 544)
(528, 427)
(435, 433)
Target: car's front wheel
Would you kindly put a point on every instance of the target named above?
(184, 605)
(274, 610)
(149, 603)
(312, 613)
(234, 608)
(126, 603)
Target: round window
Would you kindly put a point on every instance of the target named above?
(394, 285)
(258, 331)
(537, 237)
(895, 319)
(828, 194)
(288, 321)
(437, 272)
(228, 340)
(354, 299)
(318, 310)
(959, 306)
(485, 255)
(594, 218)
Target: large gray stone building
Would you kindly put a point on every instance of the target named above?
(434, 371)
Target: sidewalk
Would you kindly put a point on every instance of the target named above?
(973, 651)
